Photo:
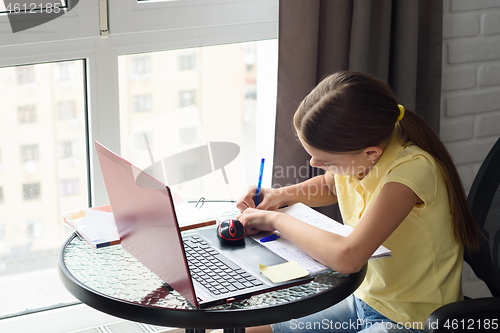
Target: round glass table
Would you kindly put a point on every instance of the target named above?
(110, 280)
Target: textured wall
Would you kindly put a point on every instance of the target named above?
(470, 112)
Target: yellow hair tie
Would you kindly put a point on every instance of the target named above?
(401, 112)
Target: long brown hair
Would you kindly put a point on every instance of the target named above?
(349, 111)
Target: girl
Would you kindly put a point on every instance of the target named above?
(396, 184)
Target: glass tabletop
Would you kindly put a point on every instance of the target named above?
(112, 272)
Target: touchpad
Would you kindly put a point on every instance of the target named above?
(249, 251)
(254, 254)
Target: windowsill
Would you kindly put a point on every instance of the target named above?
(62, 320)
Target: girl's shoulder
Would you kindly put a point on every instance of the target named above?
(417, 169)
(413, 153)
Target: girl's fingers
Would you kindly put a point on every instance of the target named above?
(247, 199)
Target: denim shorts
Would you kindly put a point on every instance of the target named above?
(350, 315)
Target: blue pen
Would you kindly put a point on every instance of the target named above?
(259, 184)
(269, 238)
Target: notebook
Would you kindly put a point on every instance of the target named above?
(147, 224)
(97, 224)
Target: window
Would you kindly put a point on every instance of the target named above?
(84, 86)
(31, 191)
(217, 102)
(141, 65)
(187, 61)
(33, 229)
(141, 103)
(70, 187)
(68, 148)
(25, 75)
(41, 150)
(251, 94)
(187, 98)
(63, 71)
(29, 152)
(26, 114)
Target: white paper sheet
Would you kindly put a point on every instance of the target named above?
(290, 252)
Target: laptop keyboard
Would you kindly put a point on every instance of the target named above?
(215, 272)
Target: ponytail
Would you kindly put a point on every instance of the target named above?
(413, 128)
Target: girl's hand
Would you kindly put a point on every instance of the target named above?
(269, 199)
(256, 220)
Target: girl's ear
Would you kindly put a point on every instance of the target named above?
(372, 154)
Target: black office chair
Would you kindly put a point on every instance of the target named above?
(484, 199)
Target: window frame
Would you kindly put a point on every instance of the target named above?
(132, 16)
(80, 22)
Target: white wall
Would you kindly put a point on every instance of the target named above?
(470, 101)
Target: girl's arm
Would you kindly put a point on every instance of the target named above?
(345, 255)
(314, 192)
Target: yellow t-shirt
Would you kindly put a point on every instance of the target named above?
(425, 270)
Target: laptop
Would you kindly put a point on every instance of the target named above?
(195, 264)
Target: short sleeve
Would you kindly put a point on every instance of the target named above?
(419, 173)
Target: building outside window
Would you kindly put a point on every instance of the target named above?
(188, 135)
(31, 191)
(66, 110)
(141, 64)
(25, 75)
(251, 94)
(187, 98)
(26, 114)
(217, 102)
(141, 103)
(142, 140)
(68, 148)
(34, 229)
(44, 148)
(187, 61)
(29, 152)
(64, 72)
(70, 186)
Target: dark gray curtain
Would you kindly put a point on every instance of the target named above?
(398, 41)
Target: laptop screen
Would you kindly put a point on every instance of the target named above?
(144, 215)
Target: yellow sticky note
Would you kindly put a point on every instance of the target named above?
(283, 272)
